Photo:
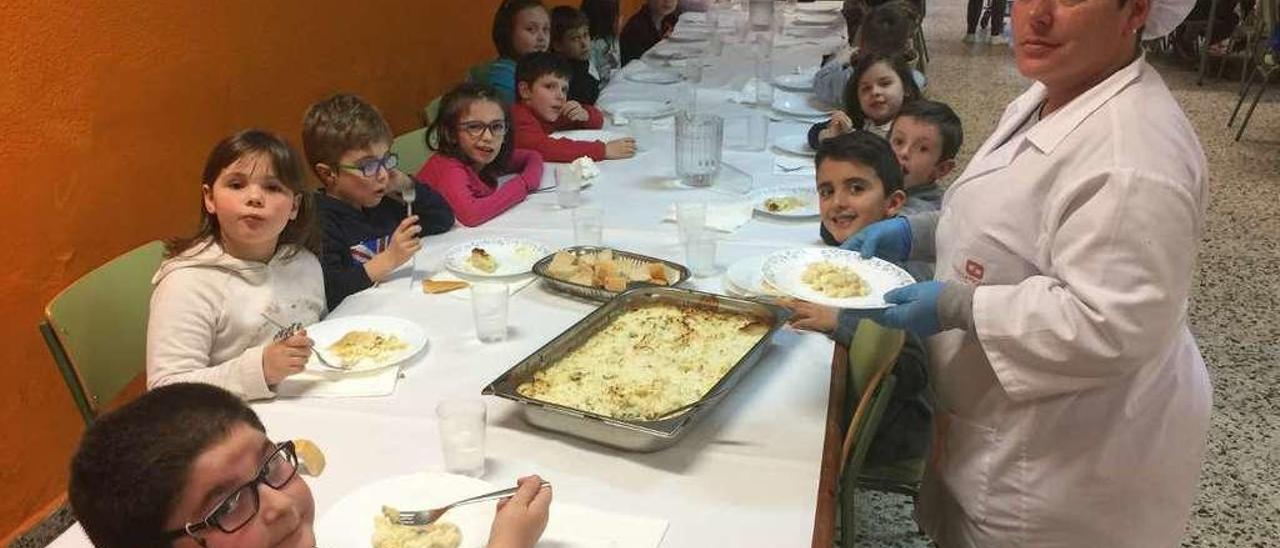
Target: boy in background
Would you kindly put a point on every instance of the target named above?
(925, 137)
(542, 81)
(570, 37)
(348, 146)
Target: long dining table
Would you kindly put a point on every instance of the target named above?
(748, 474)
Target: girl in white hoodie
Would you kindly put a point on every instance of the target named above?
(253, 258)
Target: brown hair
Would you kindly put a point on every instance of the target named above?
(132, 465)
(300, 232)
(338, 124)
(863, 63)
(504, 22)
(445, 127)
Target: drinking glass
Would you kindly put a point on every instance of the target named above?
(641, 128)
(700, 253)
(568, 188)
(489, 307)
(588, 226)
(461, 425)
(699, 138)
(691, 218)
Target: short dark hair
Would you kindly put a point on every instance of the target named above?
(602, 16)
(504, 22)
(534, 65)
(941, 116)
(565, 19)
(131, 468)
(340, 123)
(888, 28)
(861, 64)
(300, 232)
(867, 149)
(445, 127)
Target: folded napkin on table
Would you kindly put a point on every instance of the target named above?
(513, 286)
(721, 216)
(308, 384)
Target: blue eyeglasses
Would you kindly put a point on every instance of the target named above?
(369, 167)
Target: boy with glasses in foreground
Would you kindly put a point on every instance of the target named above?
(347, 144)
(190, 465)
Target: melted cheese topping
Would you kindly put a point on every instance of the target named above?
(647, 362)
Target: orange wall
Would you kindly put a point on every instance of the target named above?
(108, 111)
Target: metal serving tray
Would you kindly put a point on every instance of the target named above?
(633, 435)
(600, 293)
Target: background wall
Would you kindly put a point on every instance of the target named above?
(107, 110)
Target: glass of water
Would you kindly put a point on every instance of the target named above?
(700, 252)
(568, 188)
(489, 306)
(461, 424)
(588, 226)
(691, 218)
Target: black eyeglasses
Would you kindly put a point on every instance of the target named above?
(238, 508)
(369, 167)
(476, 129)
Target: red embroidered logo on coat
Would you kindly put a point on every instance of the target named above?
(974, 270)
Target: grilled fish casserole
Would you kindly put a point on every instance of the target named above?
(648, 361)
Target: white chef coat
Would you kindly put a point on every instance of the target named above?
(1075, 412)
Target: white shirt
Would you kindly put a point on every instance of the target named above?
(1076, 412)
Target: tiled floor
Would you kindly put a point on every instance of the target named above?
(1235, 309)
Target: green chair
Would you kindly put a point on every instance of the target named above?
(872, 354)
(412, 149)
(430, 111)
(96, 329)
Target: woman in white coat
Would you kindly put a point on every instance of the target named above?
(1073, 403)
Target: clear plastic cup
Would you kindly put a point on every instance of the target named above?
(691, 218)
(461, 423)
(588, 226)
(489, 307)
(641, 128)
(568, 188)
(700, 253)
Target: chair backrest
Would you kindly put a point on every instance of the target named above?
(874, 348)
(412, 149)
(430, 111)
(96, 328)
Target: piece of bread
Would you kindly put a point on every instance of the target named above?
(443, 286)
(310, 457)
(562, 265)
(615, 283)
(658, 274)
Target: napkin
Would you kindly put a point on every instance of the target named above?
(309, 384)
(721, 216)
(790, 165)
(513, 287)
(574, 526)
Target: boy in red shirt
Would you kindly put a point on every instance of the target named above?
(542, 81)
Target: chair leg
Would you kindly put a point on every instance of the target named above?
(1244, 92)
(1208, 40)
(1244, 123)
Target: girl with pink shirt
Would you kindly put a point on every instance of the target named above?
(474, 143)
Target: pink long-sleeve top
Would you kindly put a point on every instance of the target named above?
(473, 201)
(534, 133)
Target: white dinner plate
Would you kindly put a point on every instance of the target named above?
(783, 270)
(601, 135)
(819, 7)
(794, 144)
(802, 105)
(641, 107)
(797, 82)
(350, 521)
(806, 194)
(673, 52)
(327, 332)
(746, 277)
(651, 76)
(690, 35)
(515, 256)
(817, 19)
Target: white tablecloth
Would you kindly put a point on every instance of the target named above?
(746, 476)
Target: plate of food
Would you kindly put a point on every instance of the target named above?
(791, 202)
(602, 135)
(360, 344)
(834, 277)
(600, 272)
(794, 144)
(360, 519)
(795, 82)
(673, 52)
(651, 76)
(496, 257)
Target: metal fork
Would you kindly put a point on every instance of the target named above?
(410, 193)
(427, 517)
(286, 331)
